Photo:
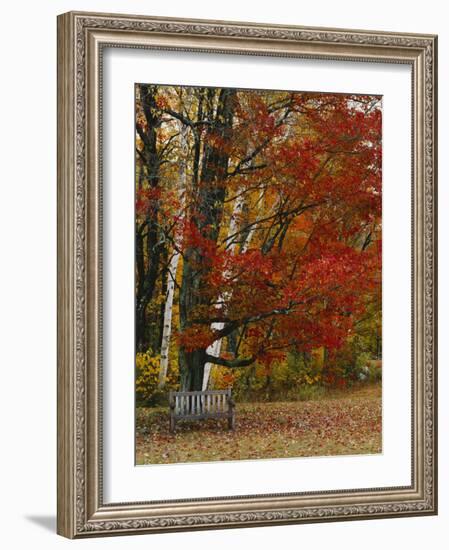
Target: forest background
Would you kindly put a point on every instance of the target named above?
(258, 241)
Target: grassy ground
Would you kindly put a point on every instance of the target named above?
(342, 422)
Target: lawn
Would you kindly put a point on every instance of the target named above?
(342, 422)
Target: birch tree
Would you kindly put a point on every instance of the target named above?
(174, 260)
(215, 348)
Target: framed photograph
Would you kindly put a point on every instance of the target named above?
(246, 274)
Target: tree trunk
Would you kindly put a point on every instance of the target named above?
(192, 377)
(173, 266)
(147, 278)
(168, 315)
(207, 215)
(215, 348)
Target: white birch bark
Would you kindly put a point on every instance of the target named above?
(173, 265)
(215, 348)
(249, 237)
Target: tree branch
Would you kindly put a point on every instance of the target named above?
(230, 363)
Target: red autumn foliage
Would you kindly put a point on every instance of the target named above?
(279, 227)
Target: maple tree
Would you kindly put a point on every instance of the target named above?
(258, 223)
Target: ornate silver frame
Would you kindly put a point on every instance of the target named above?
(81, 511)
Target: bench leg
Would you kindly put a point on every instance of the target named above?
(172, 423)
(231, 421)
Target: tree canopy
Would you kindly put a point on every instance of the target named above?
(258, 223)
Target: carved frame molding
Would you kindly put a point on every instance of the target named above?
(81, 39)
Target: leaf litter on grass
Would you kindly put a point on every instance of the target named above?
(347, 423)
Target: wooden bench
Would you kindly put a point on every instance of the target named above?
(199, 405)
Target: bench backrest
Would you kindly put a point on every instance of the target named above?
(200, 403)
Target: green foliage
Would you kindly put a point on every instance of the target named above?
(374, 371)
(293, 379)
(311, 392)
(354, 361)
(302, 376)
